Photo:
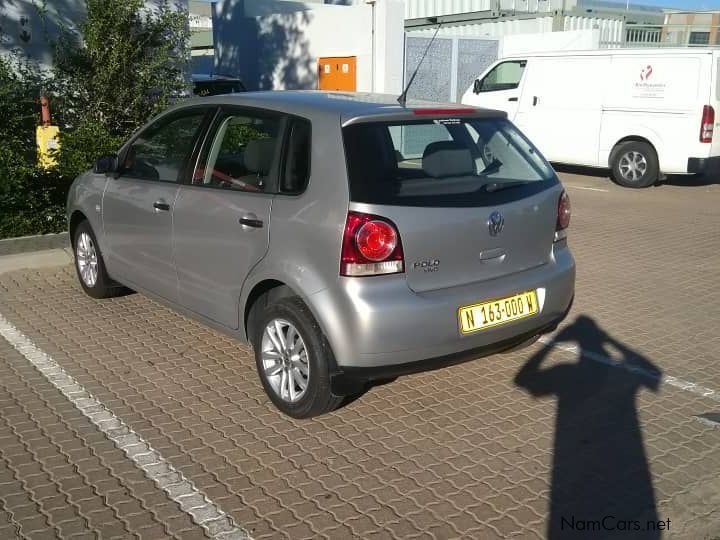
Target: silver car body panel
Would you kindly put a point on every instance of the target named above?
(369, 322)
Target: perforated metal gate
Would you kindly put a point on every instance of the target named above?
(450, 66)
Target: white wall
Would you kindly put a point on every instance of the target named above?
(273, 44)
(574, 40)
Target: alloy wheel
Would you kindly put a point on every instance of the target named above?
(633, 166)
(285, 360)
(87, 260)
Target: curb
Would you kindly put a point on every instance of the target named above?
(41, 242)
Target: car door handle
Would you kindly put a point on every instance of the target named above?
(251, 222)
(159, 205)
(512, 99)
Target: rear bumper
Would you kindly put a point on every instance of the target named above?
(379, 323)
(352, 380)
(708, 165)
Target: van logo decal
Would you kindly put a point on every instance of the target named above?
(645, 73)
(496, 223)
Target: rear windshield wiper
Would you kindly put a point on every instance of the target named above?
(499, 186)
(492, 167)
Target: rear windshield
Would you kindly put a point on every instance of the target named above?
(447, 162)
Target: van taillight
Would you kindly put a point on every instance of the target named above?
(371, 246)
(563, 216)
(707, 126)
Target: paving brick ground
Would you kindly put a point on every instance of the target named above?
(506, 446)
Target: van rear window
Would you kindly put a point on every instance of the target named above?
(445, 162)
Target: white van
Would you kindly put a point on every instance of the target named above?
(641, 112)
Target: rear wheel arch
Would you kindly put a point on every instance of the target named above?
(269, 291)
(266, 291)
(630, 138)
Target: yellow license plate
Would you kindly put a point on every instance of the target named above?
(487, 314)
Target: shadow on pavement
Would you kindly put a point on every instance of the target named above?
(601, 483)
(687, 180)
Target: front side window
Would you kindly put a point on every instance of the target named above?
(162, 149)
(242, 154)
(505, 76)
(436, 163)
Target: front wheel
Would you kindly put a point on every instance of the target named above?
(634, 164)
(90, 265)
(293, 359)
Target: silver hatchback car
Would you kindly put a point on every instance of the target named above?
(349, 239)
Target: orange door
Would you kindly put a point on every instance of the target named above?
(337, 73)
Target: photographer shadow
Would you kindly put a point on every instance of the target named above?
(601, 483)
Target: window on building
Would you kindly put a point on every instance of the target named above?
(699, 38)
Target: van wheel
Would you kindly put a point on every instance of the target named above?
(634, 164)
(90, 265)
(293, 359)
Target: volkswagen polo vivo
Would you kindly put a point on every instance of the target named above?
(348, 238)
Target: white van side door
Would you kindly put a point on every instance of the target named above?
(560, 109)
(499, 88)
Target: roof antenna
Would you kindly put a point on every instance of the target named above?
(403, 97)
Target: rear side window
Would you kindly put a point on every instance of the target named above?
(296, 171)
(242, 154)
(436, 163)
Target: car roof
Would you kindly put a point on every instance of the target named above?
(349, 106)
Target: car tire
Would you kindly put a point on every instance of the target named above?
(297, 380)
(634, 164)
(90, 266)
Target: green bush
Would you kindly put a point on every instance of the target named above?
(99, 96)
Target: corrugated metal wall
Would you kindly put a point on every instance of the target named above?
(414, 9)
(494, 29)
(611, 30)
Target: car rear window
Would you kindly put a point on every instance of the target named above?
(442, 162)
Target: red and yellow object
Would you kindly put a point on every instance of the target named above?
(47, 137)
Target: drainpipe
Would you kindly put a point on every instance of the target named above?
(372, 61)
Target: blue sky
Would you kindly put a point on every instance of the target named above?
(677, 4)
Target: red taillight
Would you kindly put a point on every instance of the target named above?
(371, 246)
(563, 216)
(707, 125)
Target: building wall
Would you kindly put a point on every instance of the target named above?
(27, 33)
(276, 44)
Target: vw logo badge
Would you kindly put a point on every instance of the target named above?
(496, 222)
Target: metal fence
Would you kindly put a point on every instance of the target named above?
(668, 35)
(450, 66)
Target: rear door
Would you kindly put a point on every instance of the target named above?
(472, 199)
(222, 216)
(138, 205)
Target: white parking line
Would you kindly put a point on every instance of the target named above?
(664, 379)
(588, 188)
(205, 513)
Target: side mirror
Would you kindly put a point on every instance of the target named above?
(106, 164)
(477, 86)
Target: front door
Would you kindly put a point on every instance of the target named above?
(499, 89)
(222, 218)
(138, 205)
